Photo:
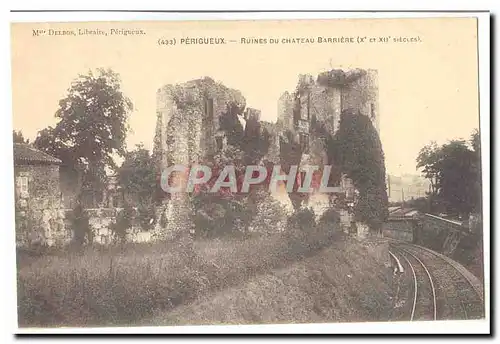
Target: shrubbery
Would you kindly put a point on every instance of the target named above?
(123, 222)
(82, 232)
(146, 216)
(217, 216)
(359, 153)
(329, 220)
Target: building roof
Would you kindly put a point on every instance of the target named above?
(26, 154)
(406, 212)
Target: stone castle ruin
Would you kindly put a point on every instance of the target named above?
(189, 132)
(188, 127)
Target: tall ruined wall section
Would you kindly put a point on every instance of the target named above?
(323, 99)
(188, 119)
(362, 94)
(189, 115)
(285, 112)
(39, 211)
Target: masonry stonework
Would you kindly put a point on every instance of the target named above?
(188, 127)
(40, 217)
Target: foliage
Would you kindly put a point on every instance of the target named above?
(123, 223)
(146, 216)
(255, 142)
(137, 175)
(18, 137)
(360, 156)
(475, 142)
(428, 160)
(227, 212)
(92, 125)
(421, 204)
(82, 232)
(217, 216)
(112, 286)
(252, 140)
(332, 78)
(267, 214)
(330, 218)
(163, 219)
(290, 155)
(224, 212)
(454, 170)
(302, 220)
(231, 125)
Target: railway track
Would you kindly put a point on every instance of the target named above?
(423, 304)
(442, 288)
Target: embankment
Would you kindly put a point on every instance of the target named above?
(450, 238)
(347, 281)
(453, 240)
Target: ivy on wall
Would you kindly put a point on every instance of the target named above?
(359, 152)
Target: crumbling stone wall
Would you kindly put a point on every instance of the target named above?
(39, 214)
(188, 116)
(323, 99)
(100, 222)
(362, 94)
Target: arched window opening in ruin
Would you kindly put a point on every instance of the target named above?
(304, 143)
(220, 142)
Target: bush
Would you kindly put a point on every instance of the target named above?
(360, 155)
(163, 219)
(123, 223)
(302, 220)
(82, 232)
(329, 218)
(146, 216)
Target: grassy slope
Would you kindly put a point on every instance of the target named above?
(345, 282)
(122, 285)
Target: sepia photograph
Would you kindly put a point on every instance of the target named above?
(248, 172)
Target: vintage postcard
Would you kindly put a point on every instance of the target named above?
(249, 172)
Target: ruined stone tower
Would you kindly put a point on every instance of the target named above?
(322, 100)
(187, 131)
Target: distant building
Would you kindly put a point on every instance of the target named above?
(38, 199)
(406, 187)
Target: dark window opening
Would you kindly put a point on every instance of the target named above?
(209, 108)
(296, 111)
(304, 143)
(308, 106)
(219, 142)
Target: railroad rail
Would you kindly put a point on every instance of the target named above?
(424, 305)
(454, 291)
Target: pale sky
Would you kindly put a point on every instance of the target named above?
(427, 91)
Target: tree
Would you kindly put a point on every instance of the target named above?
(92, 125)
(455, 173)
(138, 178)
(19, 138)
(137, 175)
(427, 160)
(82, 232)
(123, 223)
(231, 125)
(358, 152)
(290, 155)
